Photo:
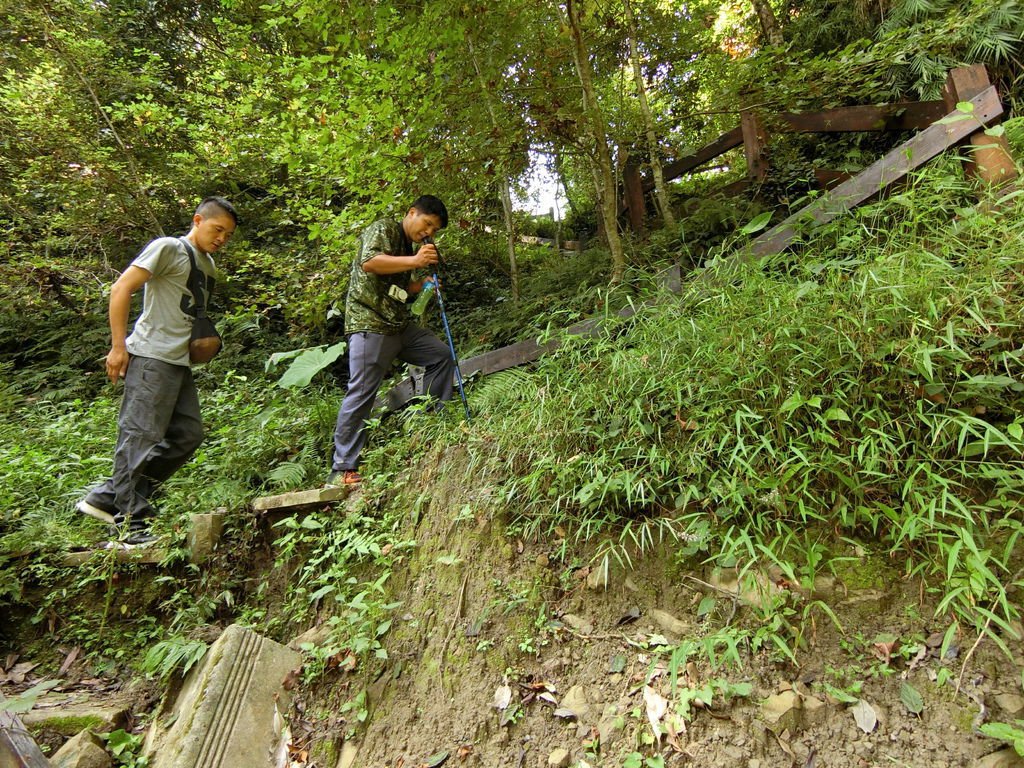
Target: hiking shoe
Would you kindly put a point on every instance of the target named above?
(143, 537)
(340, 477)
(104, 513)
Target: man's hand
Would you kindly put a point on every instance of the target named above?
(426, 256)
(117, 364)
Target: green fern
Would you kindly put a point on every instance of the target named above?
(288, 474)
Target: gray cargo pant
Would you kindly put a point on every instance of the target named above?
(159, 428)
(369, 357)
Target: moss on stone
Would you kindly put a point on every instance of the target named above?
(69, 725)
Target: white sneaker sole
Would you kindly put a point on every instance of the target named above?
(93, 511)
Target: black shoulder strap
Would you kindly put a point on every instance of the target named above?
(196, 278)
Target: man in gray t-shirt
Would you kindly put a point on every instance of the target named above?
(159, 426)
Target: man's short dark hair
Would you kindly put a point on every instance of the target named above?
(433, 206)
(211, 206)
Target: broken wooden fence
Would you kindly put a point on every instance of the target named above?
(962, 84)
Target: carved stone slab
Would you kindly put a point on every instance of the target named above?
(228, 712)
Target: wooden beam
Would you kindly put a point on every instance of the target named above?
(900, 116)
(754, 142)
(963, 84)
(905, 116)
(894, 166)
(989, 157)
(685, 164)
(634, 202)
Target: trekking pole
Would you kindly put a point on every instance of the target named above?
(448, 331)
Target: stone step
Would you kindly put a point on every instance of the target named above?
(228, 712)
(144, 555)
(203, 535)
(297, 500)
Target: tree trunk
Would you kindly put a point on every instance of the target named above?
(601, 159)
(506, 194)
(770, 29)
(660, 192)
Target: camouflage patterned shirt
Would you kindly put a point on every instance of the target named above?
(368, 306)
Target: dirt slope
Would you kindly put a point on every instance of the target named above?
(517, 653)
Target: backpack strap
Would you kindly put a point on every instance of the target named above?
(197, 281)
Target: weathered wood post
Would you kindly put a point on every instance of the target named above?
(755, 141)
(634, 189)
(990, 160)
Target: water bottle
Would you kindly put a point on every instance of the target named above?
(420, 305)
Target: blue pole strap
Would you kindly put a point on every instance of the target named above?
(451, 345)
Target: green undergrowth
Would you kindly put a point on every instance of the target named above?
(859, 401)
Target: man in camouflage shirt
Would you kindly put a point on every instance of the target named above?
(379, 328)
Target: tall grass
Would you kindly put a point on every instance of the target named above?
(871, 386)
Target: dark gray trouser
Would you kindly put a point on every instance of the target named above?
(159, 428)
(369, 357)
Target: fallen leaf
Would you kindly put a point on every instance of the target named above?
(783, 739)
(502, 697)
(69, 660)
(435, 760)
(20, 671)
(565, 713)
(540, 685)
(656, 706)
(919, 658)
(549, 698)
(465, 751)
(911, 698)
(707, 605)
(864, 715)
(617, 664)
(509, 715)
(630, 616)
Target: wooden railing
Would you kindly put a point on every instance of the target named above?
(963, 84)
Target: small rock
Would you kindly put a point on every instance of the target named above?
(552, 666)
(1004, 758)
(669, 623)
(815, 711)
(313, 636)
(559, 758)
(1010, 703)
(782, 712)
(543, 560)
(630, 585)
(576, 700)
(349, 752)
(81, 751)
(598, 577)
(611, 726)
(578, 623)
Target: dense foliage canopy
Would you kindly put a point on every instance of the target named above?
(318, 115)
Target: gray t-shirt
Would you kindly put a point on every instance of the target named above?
(165, 325)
